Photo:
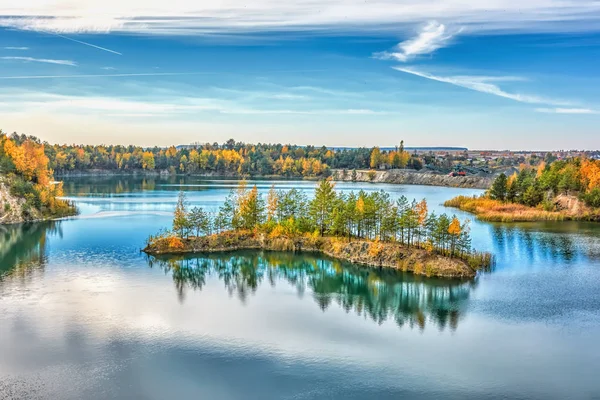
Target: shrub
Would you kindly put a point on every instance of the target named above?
(592, 198)
(371, 174)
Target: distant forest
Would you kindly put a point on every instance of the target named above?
(229, 158)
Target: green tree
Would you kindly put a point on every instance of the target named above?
(321, 206)
(499, 188)
(251, 209)
(181, 223)
(199, 221)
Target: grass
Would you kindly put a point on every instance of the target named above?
(490, 210)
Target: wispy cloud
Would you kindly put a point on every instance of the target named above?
(179, 107)
(430, 38)
(16, 48)
(484, 84)
(84, 76)
(183, 17)
(109, 68)
(41, 60)
(567, 111)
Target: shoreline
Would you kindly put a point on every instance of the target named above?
(489, 210)
(362, 252)
(413, 177)
(12, 212)
(397, 177)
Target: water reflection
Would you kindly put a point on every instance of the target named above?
(380, 295)
(23, 248)
(564, 244)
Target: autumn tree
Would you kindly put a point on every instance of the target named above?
(454, 230)
(375, 158)
(250, 209)
(181, 223)
(272, 203)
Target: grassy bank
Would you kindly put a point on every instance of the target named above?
(364, 252)
(487, 209)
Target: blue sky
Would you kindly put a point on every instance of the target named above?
(481, 74)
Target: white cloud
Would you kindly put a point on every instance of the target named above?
(567, 111)
(431, 37)
(137, 107)
(483, 84)
(41, 60)
(186, 17)
(16, 48)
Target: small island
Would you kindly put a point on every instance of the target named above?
(364, 228)
(555, 191)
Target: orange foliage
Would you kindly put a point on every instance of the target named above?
(173, 242)
(29, 160)
(590, 173)
(454, 228)
(421, 210)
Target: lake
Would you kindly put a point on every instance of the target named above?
(85, 315)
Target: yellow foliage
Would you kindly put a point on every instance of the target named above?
(421, 210)
(540, 169)
(590, 173)
(174, 242)
(454, 228)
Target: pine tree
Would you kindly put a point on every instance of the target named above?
(499, 188)
(180, 219)
(322, 205)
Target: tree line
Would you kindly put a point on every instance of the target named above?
(537, 186)
(229, 158)
(361, 215)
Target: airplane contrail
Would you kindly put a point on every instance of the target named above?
(89, 44)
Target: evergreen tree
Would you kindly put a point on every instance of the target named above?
(321, 206)
(181, 222)
(499, 188)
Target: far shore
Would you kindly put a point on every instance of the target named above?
(392, 176)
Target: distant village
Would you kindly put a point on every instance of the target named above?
(463, 161)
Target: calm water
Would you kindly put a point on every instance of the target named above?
(85, 315)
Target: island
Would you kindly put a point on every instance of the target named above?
(367, 228)
(566, 189)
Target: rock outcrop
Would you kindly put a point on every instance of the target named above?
(411, 177)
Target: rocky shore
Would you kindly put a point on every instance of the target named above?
(368, 253)
(411, 177)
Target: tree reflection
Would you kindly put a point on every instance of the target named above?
(563, 243)
(23, 248)
(379, 295)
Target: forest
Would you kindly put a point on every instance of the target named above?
(368, 216)
(25, 169)
(229, 158)
(538, 186)
(563, 189)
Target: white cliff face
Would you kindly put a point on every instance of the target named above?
(411, 177)
(11, 207)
